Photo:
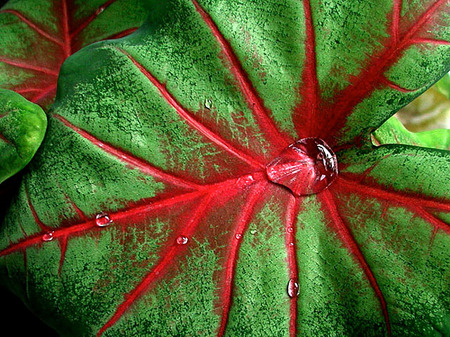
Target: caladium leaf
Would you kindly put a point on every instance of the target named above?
(22, 129)
(37, 36)
(393, 132)
(180, 202)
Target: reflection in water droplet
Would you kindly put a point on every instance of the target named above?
(48, 236)
(306, 167)
(102, 219)
(208, 104)
(290, 229)
(253, 231)
(238, 236)
(293, 289)
(182, 240)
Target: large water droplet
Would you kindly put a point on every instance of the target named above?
(293, 289)
(102, 219)
(182, 240)
(48, 236)
(307, 166)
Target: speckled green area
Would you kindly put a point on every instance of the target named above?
(160, 132)
(261, 278)
(353, 31)
(22, 129)
(333, 289)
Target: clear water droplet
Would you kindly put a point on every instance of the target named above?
(306, 167)
(238, 236)
(208, 104)
(290, 229)
(182, 240)
(48, 236)
(102, 219)
(293, 289)
(253, 231)
(245, 180)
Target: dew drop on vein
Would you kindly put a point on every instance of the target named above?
(238, 236)
(48, 236)
(102, 220)
(182, 240)
(293, 289)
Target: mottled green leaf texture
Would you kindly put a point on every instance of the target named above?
(38, 35)
(187, 182)
(22, 129)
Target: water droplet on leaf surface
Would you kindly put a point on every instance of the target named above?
(293, 289)
(102, 219)
(208, 104)
(182, 240)
(306, 167)
(48, 236)
(238, 236)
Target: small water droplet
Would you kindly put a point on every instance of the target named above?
(48, 236)
(102, 219)
(245, 180)
(253, 231)
(208, 104)
(290, 229)
(293, 289)
(182, 240)
(291, 244)
(238, 236)
(100, 10)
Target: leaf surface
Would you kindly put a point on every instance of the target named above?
(22, 129)
(155, 215)
(37, 36)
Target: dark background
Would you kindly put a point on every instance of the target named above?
(16, 319)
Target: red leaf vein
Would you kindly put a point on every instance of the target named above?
(183, 113)
(254, 101)
(349, 242)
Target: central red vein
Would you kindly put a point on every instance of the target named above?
(349, 242)
(183, 113)
(236, 239)
(307, 111)
(366, 82)
(279, 141)
(128, 158)
(67, 47)
(291, 246)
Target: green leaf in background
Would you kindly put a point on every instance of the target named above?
(393, 132)
(38, 35)
(171, 197)
(431, 110)
(22, 129)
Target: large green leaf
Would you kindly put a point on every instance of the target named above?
(38, 35)
(149, 211)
